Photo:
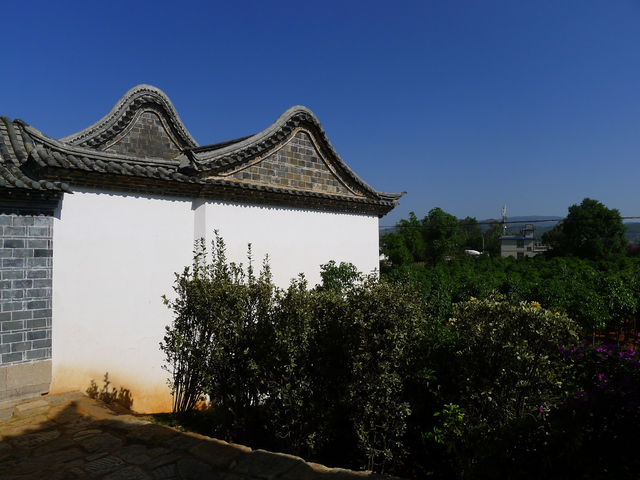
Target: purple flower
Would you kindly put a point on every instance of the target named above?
(579, 395)
(627, 354)
(602, 378)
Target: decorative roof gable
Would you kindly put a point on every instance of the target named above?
(139, 106)
(296, 164)
(141, 145)
(231, 157)
(148, 135)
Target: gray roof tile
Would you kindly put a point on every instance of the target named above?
(31, 160)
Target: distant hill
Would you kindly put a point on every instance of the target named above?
(515, 223)
(384, 230)
(633, 231)
(633, 228)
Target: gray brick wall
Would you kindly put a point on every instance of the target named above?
(146, 138)
(296, 165)
(25, 288)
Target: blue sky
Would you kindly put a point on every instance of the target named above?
(465, 105)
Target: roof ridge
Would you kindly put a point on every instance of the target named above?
(235, 154)
(31, 160)
(121, 114)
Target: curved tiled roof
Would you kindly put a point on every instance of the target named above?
(233, 155)
(16, 147)
(123, 111)
(115, 153)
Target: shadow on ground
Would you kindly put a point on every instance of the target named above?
(72, 436)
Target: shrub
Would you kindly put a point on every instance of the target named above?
(341, 353)
(319, 372)
(507, 358)
(503, 365)
(385, 319)
(286, 371)
(599, 421)
(208, 346)
(591, 434)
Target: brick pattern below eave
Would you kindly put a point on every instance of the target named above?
(296, 165)
(147, 137)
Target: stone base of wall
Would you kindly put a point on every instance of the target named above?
(24, 380)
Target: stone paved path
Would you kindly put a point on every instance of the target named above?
(71, 436)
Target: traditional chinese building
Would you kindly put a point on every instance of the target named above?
(94, 225)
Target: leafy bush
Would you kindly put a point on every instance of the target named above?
(340, 353)
(600, 420)
(591, 434)
(207, 348)
(384, 320)
(503, 365)
(407, 373)
(508, 359)
(602, 296)
(319, 372)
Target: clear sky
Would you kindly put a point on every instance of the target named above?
(466, 105)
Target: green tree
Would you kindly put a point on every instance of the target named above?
(406, 244)
(395, 249)
(340, 277)
(410, 232)
(441, 234)
(470, 233)
(492, 239)
(591, 230)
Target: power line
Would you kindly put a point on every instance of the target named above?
(498, 222)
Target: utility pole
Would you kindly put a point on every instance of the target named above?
(504, 219)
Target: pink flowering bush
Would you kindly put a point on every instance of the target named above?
(592, 434)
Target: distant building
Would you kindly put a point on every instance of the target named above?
(523, 245)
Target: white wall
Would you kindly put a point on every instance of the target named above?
(297, 241)
(115, 255)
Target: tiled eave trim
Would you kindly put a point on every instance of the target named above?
(225, 191)
(86, 155)
(28, 202)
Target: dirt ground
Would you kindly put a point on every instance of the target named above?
(71, 436)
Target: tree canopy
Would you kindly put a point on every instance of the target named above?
(591, 230)
(438, 236)
(441, 234)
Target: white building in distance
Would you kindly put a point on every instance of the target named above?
(523, 245)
